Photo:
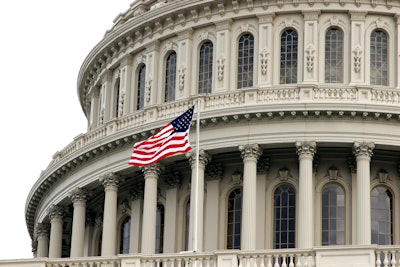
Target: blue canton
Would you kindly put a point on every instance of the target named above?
(182, 123)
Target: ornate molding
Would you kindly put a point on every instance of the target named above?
(56, 211)
(310, 57)
(250, 151)
(181, 77)
(264, 54)
(363, 149)
(110, 180)
(42, 229)
(382, 175)
(284, 174)
(153, 169)
(220, 67)
(306, 148)
(357, 58)
(333, 173)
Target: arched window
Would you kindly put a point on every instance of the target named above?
(379, 58)
(289, 51)
(381, 216)
(125, 235)
(234, 219)
(284, 216)
(245, 61)
(187, 224)
(159, 228)
(170, 77)
(141, 87)
(334, 56)
(116, 101)
(333, 215)
(205, 67)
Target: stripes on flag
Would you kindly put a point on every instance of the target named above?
(173, 138)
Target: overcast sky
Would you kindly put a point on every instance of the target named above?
(42, 46)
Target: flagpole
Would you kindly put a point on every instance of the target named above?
(196, 197)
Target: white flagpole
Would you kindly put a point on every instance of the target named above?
(196, 197)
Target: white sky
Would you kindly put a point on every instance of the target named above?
(42, 46)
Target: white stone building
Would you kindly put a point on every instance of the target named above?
(299, 140)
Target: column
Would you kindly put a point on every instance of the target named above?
(173, 180)
(250, 154)
(110, 181)
(42, 236)
(214, 174)
(136, 217)
(197, 199)
(78, 197)
(357, 68)
(306, 151)
(363, 154)
(310, 67)
(151, 174)
(56, 214)
(223, 64)
(265, 41)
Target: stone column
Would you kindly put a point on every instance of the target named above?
(151, 174)
(78, 197)
(42, 236)
(135, 235)
(197, 199)
(56, 214)
(173, 180)
(306, 152)
(363, 153)
(110, 181)
(250, 155)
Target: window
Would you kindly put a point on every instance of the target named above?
(379, 58)
(334, 56)
(288, 67)
(125, 235)
(170, 77)
(234, 219)
(285, 217)
(159, 228)
(205, 68)
(187, 224)
(117, 104)
(245, 61)
(141, 87)
(333, 215)
(381, 216)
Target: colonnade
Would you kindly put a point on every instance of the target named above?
(49, 236)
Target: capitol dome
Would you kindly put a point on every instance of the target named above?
(298, 139)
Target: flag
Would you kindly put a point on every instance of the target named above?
(173, 138)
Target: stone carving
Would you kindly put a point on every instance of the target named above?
(263, 165)
(220, 67)
(110, 179)
(121, 102)
(333, 173)
(379, 23)
(306, 148)
(181, 77)
(237, 177)
(357, 58)
(172, 178)
(264, 61)
(363, 149)
(147, 89)
(137, 190)
(124, 206)
(204, 157)
(42, 229)
(283, 174)
(56, 211)
(382, 176)
(153, 169)
(310, 57)
(204, 35)
(79, 195)
(250, 150)
(334, 21)
(214, 171)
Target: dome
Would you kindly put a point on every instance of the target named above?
(295, 138)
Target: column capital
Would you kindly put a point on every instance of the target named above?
(56, 211)
(204, 158)
(78, 195)
(110, 179)
(363, 149)
(42, 229)
(250, 151)
(153, 169)
(306, 148)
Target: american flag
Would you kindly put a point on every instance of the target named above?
(173, 138)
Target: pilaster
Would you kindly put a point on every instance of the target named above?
(250, 154)
(110, 182)
(397, 60)
(152, 69)
(126, 88)
(265, 26)
(310, 69)
(306, 152)
(222, 68)
(184, 63)
(363, 153)
(357, 45)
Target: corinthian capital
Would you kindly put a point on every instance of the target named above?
(204, 158)
(56, 211)
(252, 151)
(110, 179)
(153, 169)
(306, 148)
(78, 195)
(363, 149)
(42, 229)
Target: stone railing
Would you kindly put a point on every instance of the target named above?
(235, 100)
(329, 256)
